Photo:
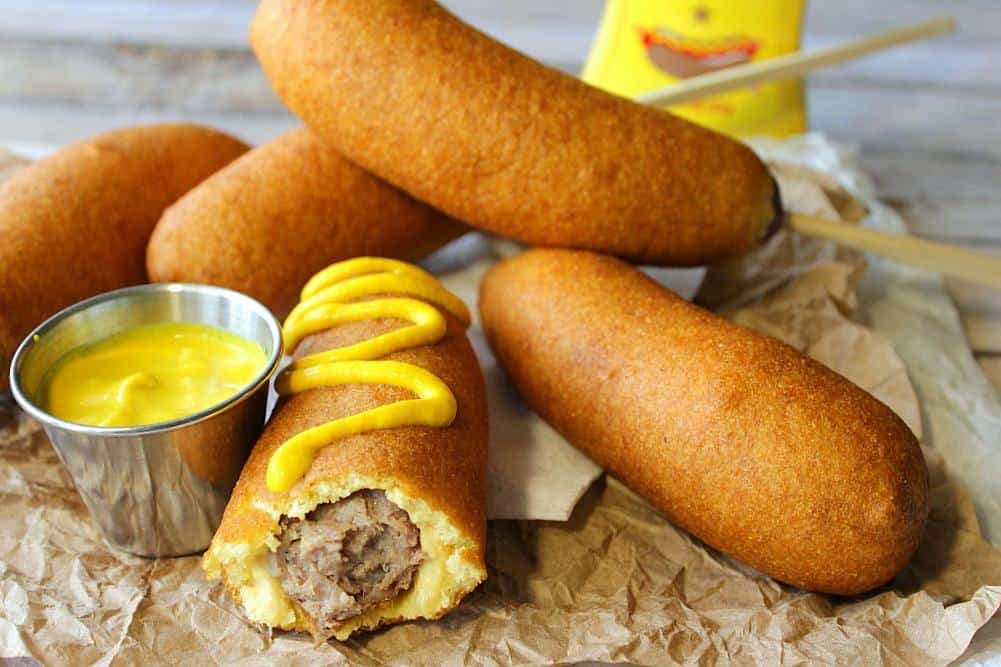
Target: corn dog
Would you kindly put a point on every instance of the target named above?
(267, 222)
(362, 505)
(736, 437)
(493, 138)
(77, 223)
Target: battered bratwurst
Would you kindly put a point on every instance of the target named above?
(386, 521)
(267, 222)
(493, 138)
(736, 437)
(76, 224)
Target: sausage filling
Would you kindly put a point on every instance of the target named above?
(347, 557)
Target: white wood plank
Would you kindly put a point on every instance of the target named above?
(913, 119)
(33, 69)
(937, 155)
(219, 23)
(103, 75)
(954, 64)
(978, 19)
(57, 124)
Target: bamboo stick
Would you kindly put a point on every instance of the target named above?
(928, 255)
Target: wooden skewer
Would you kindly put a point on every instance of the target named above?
(791, 65)
(928, 255)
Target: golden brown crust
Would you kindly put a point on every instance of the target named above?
(445, 467)
(754, 448)
(76, 224)
(409, 92)
(282, 212)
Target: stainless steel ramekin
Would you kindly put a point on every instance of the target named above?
(155, 490)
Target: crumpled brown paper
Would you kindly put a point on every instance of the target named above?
(615, 583)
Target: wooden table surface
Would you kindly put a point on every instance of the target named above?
(925, 117)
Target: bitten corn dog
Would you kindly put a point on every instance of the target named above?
(736, 437)
(493, 138)
(77, 223)
(364, 501)
(267, 222)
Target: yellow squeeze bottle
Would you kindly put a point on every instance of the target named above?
(642, 45)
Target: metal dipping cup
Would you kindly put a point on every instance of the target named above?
(156, 490)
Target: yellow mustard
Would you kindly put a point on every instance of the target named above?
(647, 44)
(330, 298)
(152, 374)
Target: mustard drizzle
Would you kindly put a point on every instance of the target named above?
(331, 298)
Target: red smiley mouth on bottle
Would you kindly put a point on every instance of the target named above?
(685, 57)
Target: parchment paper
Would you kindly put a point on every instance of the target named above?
(615, 583)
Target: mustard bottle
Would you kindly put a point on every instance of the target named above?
(646, 44)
